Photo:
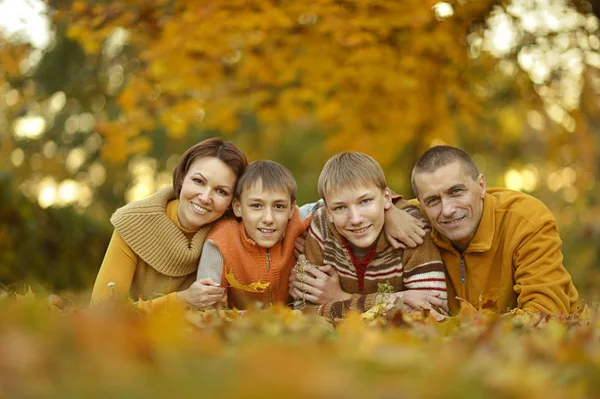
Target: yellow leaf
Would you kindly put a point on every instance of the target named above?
(254, 287)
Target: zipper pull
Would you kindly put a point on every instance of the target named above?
(462, 270)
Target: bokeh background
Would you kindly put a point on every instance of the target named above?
(99, 98)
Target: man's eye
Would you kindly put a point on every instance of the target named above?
(280, 206)
(366, 201)
(339, 208)
(457, 191)
(432, 201)
(255, 206)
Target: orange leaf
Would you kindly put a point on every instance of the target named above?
(254, 287)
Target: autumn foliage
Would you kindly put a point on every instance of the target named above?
(115, 351)
(369, 73)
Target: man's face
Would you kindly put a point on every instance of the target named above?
(265, 213)
(358, 213)
(452, 201)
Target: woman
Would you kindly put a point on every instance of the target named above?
(154, 250)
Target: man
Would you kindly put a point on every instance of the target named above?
(496, 242)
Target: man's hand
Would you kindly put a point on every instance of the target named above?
(402, 230)
(415, 300)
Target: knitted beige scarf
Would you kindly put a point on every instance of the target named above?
(146, 228)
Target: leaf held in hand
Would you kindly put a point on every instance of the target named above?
(254, 287)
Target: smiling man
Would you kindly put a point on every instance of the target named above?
(494, 242)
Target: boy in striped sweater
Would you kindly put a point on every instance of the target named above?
(346, 233)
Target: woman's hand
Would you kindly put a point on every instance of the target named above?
(402, 229)
(202, 294)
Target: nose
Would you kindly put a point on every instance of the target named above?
(205, 196)
(268, 216)
(355, 216)
(448, 208)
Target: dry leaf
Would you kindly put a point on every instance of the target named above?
(254, 287)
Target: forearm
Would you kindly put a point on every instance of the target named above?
(541, 281)
(353, 302)
(116, 272)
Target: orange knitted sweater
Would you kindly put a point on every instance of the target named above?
(252, 263)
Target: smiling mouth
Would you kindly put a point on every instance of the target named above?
(267, 231)
(453, 221)
(361, 230)
(199, 209)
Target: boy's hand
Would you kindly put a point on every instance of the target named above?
(402, 230)
(318, 285)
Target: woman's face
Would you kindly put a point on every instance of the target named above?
(206, 192)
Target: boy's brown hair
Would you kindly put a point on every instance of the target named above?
(272, 175)
(350, 169)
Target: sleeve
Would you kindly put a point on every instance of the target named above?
(541, 281)
(424, 268)
(117, 269)
(211, 262)
(307, 209)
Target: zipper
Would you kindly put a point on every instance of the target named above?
(269, 288)
(268, 260)
(463, 272)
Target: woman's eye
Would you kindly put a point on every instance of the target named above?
(198, 181)
(222, 192)
(339, 208)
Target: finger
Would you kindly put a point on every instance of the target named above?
(417, 238)
(208, 281)
(316, 273)
(397, 244)
(296, 293)
(328, 269)
(410, 242)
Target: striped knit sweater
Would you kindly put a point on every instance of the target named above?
(418, 268)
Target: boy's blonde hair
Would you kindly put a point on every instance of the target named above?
(272, 175)
(350, 169)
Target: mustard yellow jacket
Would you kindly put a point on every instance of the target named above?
(514, 256)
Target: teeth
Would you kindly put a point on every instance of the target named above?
(266, 231)
(361, 230)
(199, 208)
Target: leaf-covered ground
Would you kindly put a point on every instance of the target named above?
(114, 351)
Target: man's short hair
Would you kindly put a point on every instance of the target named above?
(350, 169)
(272, 175)
(442, 155)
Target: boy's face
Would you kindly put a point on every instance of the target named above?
(265, 213)
(358, 213)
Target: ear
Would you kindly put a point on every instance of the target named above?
(237, 207)
(387, 198)
(481, 184)
(292, 210)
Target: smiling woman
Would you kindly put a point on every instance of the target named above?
(157, 242)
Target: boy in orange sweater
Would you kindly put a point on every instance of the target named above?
(259, 246)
